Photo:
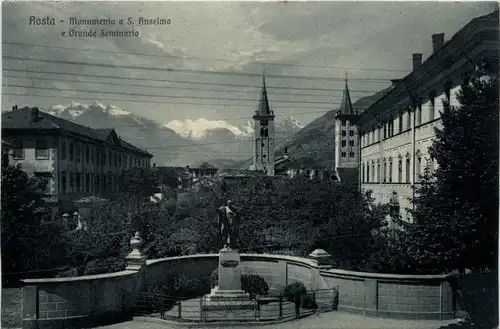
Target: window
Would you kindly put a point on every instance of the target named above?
(385, 129)
(408, 118)
(384, 172)
(343, 154)
(378, 171)
(18, 149)
(367, 172)
(400, 170)
(408, 169)
(45, 181)
(71, 182)
(373, 172)
(351, 154)
(88, 183)
(110, 159)
(351, 133)
(63, 182)
(78, 182)
(391, 127)
(344, 133)
(389, 174)
(418, 167)
(363, 172)
(343, 123)
(419, 113)
(78, 152)
(432, 99)
(343, 143)
(63, 149)
(351, 143)
(41, 149)
(71, 151)
(401, 122)
(87, 154)
(447, 91)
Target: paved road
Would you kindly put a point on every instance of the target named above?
(331, 320)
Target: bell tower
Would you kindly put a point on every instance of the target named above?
(346, 137)
(263, 150)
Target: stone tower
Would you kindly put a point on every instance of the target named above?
(347, 157)
(263, 150)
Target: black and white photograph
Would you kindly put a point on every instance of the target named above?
(235, 164)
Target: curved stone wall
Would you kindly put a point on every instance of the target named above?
(64, 302)
(78, 301)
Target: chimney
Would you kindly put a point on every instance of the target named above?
(437, 41)
(417, 61)
(34, 114)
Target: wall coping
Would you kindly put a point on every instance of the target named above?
(384, 276)
(305, 261)
(313, 263)
(80, 278)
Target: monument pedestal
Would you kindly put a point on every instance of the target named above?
(229, 286)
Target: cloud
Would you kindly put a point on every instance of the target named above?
(354, 35)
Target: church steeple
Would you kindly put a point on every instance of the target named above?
(263, 108)
(263, 118)
(346, 104)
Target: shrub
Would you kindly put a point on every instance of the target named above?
(294, 290)
(254, 285)
(309, 302)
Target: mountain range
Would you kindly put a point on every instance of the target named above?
(175, 143)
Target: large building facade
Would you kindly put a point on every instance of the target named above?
(397, 130)
(75, 161)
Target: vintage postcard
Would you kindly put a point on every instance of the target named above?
(280, 164)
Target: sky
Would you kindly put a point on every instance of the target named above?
(209, 61)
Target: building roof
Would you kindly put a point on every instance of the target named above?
(263, 107)
(434, 63)
(346, 107)
(33, 119)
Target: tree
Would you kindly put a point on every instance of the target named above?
(22, 230)
(456, 208)
(137, 182)
(284, 214)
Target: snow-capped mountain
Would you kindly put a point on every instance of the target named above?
(202, 129)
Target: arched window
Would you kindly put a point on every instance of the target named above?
(363, 172)
(384, 171)
(389, 173)
(368, 172)
(378, 171)
(418, 165)
(400, 169)
(408, 168)
(373, 171)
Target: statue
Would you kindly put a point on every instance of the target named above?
(229, 225)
